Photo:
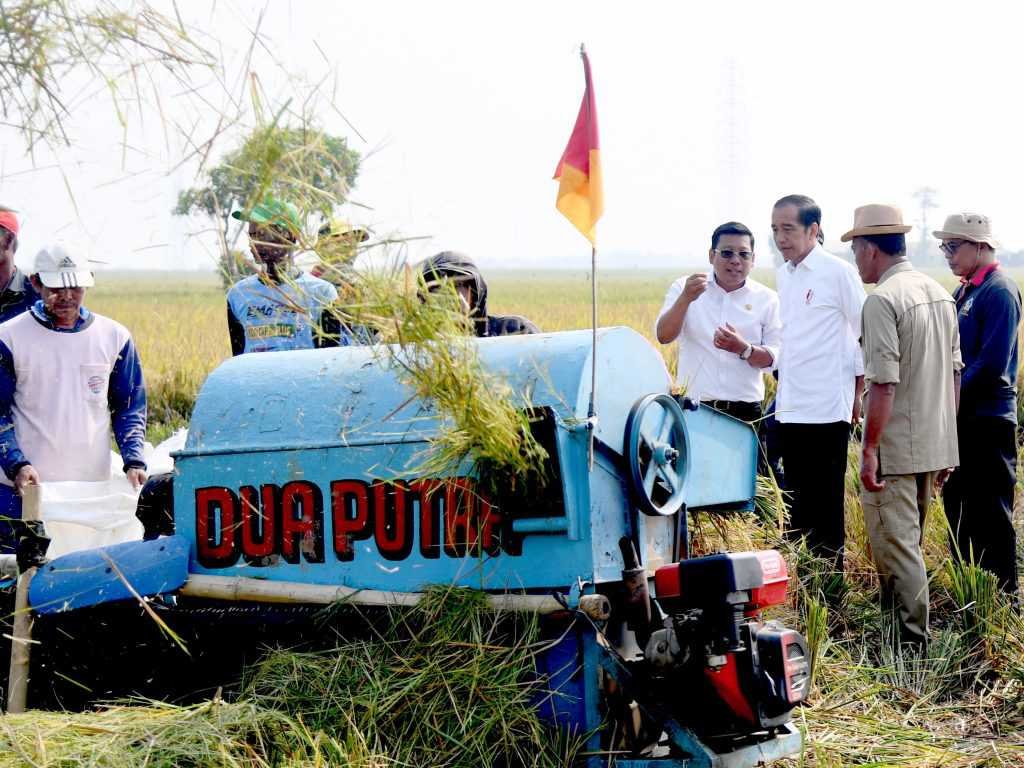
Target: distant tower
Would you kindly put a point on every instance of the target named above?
(925, 197)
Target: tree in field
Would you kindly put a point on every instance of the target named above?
(310, 168)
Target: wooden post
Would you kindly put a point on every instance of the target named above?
(21, 636)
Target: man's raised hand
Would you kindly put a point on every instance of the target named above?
(695, 286)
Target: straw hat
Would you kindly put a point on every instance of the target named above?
(876, 219)
(975, 227)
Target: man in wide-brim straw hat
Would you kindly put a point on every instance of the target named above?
(911, 369)
(979, 495)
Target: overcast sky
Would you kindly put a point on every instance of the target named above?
(708, 112)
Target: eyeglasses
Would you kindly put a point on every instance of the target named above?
(728, 253)
(952, 246)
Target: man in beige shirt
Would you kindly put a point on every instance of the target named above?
(912, 362)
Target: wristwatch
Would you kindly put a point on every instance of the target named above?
(746, 353)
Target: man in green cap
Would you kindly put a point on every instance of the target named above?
(281, 307)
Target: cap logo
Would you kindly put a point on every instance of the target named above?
(67, 263)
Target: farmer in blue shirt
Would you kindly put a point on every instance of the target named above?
(17, 293)
(978, 495)
(281, 307)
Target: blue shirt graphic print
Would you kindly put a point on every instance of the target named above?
(280, 316)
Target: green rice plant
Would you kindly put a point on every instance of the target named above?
(933, 671)
(980, 608)
(447, 683)
(450, 683)
(815, 630)
(428, 340)
(770, 504)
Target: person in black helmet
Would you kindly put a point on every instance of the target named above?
(472, 290)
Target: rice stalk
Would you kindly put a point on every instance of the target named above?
(428, 340)
(448, 684)
(47, 44)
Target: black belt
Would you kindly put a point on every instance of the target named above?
(749, 411)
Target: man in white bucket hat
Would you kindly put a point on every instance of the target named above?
(68, 378)
(912, 370)
(978, 496)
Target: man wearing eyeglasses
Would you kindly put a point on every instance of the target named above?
(820, 378)
(727, 325)
(978, 496)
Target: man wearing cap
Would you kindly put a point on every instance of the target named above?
(337, 244)
(463, 273)
(67, 376)
(978, 497)
(727, 325)
(820, 369)
(281, 307)
(912, 367)
(18, 293)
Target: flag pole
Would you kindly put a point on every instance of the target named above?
(591, 410)
(581, 200)
(591, 413)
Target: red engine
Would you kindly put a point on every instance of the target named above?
(758, 670)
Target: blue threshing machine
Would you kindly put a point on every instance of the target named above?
(296, 486)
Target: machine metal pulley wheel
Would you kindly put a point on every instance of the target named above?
(657, 452)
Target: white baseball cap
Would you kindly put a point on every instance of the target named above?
(58, 267)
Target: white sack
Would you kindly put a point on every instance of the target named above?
(85, 515)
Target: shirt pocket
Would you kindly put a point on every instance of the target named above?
(821, 297)
(94, 379)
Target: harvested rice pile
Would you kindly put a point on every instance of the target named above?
(446, 684)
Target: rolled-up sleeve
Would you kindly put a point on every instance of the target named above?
(670, 299)
(880, 341)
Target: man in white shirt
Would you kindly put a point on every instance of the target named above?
(727, 325)
(820, 375)
(70, 380)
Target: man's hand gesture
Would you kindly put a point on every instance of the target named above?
(694, 287)
(729, 339)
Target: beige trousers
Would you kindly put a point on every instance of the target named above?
(894, 518)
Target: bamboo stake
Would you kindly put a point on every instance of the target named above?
(241, 588)
(21, 636)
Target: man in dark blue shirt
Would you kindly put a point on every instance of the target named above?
(16, 293)
(471, 288)
(978, 496)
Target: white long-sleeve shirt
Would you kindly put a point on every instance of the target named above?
(821, 300)
(709, 373)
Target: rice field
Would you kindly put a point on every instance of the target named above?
(961, 704)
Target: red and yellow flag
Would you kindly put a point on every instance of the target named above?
(580, 194)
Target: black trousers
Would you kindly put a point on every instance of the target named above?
(978, 497)
(814, 459)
